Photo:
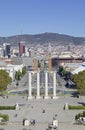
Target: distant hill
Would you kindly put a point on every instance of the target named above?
(53, 38)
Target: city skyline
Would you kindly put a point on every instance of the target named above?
(39, 16)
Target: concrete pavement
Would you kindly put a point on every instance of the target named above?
(32, 109)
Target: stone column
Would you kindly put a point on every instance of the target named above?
(54, 85)
(46, 85)
(38, 86)
(30, 87)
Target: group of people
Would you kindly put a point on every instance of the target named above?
(32, 122)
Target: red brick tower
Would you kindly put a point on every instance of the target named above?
(35, 64)
(21, 48)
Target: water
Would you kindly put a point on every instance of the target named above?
(19, 92)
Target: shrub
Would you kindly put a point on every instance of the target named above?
(5, 117)
(76, 117)
(80, 115)
(76, 107)
(83, 113)
(64, 107)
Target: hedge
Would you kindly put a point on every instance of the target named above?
(7, 107)
(76, 107)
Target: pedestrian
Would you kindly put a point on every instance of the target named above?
(43, 111)
(33, 122)
(16, 115)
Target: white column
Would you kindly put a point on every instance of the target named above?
(38, 86)
(54, 85)
(30, 87)
(46, 85)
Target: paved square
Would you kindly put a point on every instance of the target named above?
(33, 109)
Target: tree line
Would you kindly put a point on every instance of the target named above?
(78, 79)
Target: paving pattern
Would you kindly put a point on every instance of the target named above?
(33, 109)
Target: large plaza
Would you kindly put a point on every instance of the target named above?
(33, 109)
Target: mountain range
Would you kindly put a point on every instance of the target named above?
(54, 38)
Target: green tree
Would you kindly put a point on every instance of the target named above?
(18, 75)
(23, 70)
(79, 79)
(60, 69)
(5, 79)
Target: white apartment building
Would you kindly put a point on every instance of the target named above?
(11, 69)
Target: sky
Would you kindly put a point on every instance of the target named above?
(40, 16)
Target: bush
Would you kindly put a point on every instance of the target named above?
(83, 113)
(76, 117)
(5, 117)
(80, 115)
(64, 107)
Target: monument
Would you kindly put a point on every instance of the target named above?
(45, 86)
(17, 106)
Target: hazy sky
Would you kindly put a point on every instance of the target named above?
(39, 16)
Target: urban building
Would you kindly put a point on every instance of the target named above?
(6, 50)
(1, 51)
(14, 52)
(9, 68)
(21, 48)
